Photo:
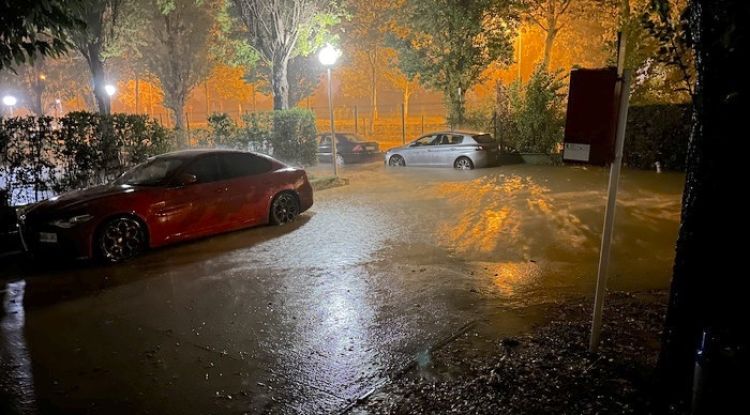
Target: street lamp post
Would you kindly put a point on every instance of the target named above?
(110, 90)
(328, 57)
(10, 102)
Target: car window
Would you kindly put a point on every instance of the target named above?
(425, 141)
(154, 172)
(242, 165)
(483, 139)
(326, 140)
(450, 139)
(205, 169)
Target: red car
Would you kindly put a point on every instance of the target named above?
(169, 198)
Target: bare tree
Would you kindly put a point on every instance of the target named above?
(176, 50)
(366, 34)
(274, 27)
(547, 14)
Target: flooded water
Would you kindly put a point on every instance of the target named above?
(309, 317)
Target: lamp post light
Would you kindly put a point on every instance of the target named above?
(10, 101)
(328, 57)
(110, 90)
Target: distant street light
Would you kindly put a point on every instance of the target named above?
(10, 101)
(110, 90)
(328, 57)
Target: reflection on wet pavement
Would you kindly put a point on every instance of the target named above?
(306, 318)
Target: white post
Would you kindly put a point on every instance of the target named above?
(609, 213)
(333, 130)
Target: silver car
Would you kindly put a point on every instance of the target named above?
(463, 150)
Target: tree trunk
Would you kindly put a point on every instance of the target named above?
(406, 95)
(373, 89)
(280, 84)
(178, 116)
(137, 95)
(208, 99)
(96, 65)
(455, 101)
(37, 103)
(549, 39)
(706, 289)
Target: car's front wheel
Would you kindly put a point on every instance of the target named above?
(284, 208)
(396, 161)
(120, 239)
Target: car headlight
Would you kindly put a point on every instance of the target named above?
(72, 221)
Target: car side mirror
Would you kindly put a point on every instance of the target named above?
(186, 179)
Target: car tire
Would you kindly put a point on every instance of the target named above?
(396, 161)
(284, 208)
(120, 239)
(463, 163)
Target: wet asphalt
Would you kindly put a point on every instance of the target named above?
(310, 317)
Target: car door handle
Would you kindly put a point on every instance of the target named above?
(222, 190)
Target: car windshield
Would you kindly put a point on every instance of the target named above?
(151, 173)
(484, 139)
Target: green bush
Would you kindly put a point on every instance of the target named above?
(256, 131)
(538, 116)
(657, 133)
(41, 155)
(224, 131)
(293, 138)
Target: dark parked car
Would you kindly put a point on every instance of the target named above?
(350, 148)
(169, 198)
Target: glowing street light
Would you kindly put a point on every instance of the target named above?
(328, 57)
(10, 101)
(110, 89)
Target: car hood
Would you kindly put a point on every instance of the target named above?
(79, 198)
(401, 148)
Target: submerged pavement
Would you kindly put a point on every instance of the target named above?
(309, 317)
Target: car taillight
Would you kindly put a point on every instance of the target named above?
(357, 148)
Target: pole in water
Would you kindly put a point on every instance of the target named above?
(609, 212)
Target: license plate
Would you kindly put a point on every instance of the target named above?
(370, 148)
(47, 237)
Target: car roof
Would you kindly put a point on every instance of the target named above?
(459, 132)
(190, 153)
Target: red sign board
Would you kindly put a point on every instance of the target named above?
(592, 116)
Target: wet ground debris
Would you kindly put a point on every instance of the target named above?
(549, 371)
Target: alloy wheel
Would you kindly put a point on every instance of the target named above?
(464, 164)
(121, 238)
(284, 209)
(396, 161)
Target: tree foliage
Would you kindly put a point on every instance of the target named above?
(449, 43)
(274, 29)
(30, 29)
(102, 21)
(40, 83)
